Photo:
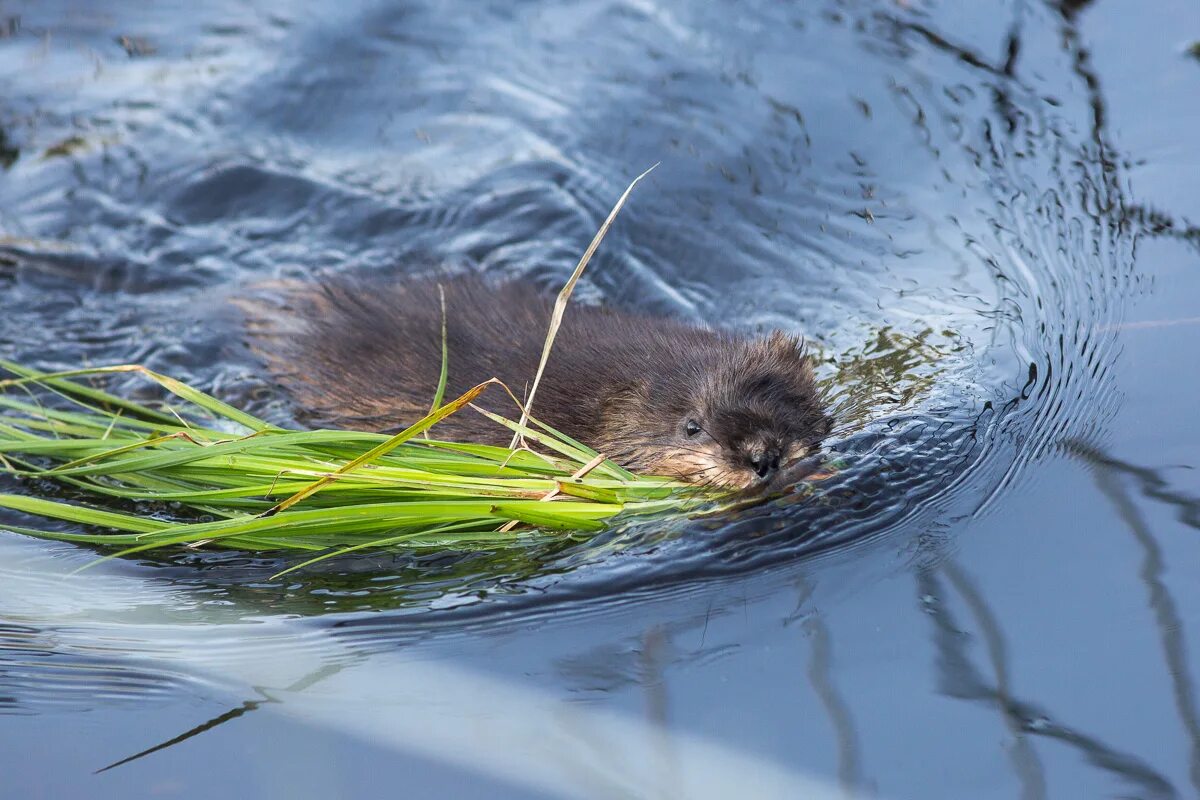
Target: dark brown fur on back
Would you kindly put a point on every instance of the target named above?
(367, 355)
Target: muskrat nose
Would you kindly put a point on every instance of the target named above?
(765, 462)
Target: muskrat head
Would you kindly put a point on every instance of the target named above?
(733, 413)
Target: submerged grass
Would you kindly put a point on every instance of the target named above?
(206, 474)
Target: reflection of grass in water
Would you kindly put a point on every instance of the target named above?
(9, 152)
(890, 369)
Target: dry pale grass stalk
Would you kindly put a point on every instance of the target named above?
(560, 305)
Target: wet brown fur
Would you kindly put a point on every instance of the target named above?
(367, 355)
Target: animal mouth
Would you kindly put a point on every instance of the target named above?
(765, 471)
(789, 474)
(765, 462)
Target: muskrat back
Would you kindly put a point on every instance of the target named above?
(652, 393)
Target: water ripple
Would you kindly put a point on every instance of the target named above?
(949, 227)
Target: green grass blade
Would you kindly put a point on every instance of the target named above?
(177, 388)
(81, 514)
(77, 389)
(400, 438)
(441, 386)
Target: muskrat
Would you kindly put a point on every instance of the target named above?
(654, 394)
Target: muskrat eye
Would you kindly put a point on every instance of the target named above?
(692, 427)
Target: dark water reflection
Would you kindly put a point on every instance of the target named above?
(953, 203)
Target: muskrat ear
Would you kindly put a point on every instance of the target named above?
(627, 393)
(622, 413)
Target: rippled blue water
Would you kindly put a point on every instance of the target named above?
(978, 213)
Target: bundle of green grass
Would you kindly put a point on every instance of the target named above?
(200, 473)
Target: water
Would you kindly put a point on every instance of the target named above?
(979, 214)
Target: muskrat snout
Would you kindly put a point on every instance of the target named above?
(765, 462)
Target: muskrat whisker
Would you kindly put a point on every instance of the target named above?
(688, 476)
(695, 450)
(715, 481)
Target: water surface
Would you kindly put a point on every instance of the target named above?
(978, 215)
